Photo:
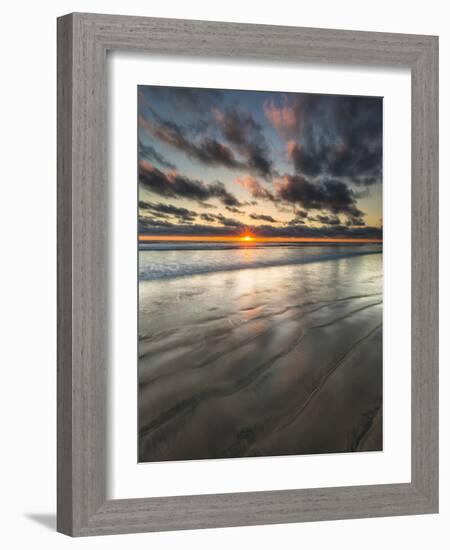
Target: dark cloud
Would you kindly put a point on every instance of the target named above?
(327, 220)
(149, 223)
(211, 151)
(147, 152)
(334, 136)
(234, 210)
(299, 217)
(355, 222)
(301, 213)
(172, 184)
(362, 193)
(195, 100)
(223, 226)
(206, 150)
(197, 230)
(218, 190)
(246, 135)
(249, 148)
(163, 210)
(263, 217)
(238, 127)
(208, 217)
(331, 195)
(299, 230)
(304, 160)
(220, 218)
(295, 221)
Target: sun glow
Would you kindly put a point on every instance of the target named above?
(235, 238)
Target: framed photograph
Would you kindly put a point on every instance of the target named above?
(247, 274)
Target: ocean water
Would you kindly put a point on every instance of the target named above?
(163, 260)
(259, 350)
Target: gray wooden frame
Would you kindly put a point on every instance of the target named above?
(83, 41)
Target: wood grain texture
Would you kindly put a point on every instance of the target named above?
(64, 329)
(82, 262)
(424, 277)
(83, 41)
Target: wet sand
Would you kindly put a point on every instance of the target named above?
(259, 362)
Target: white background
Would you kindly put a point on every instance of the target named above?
(28, 300)
(393, 465)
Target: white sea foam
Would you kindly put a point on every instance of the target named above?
(166, 260)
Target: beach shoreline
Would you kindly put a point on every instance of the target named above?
(267, 361)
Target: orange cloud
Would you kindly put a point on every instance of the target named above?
(284, 119)
(256, 190)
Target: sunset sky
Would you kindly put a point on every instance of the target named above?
(220, 164)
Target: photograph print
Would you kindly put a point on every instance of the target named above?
(260, 273)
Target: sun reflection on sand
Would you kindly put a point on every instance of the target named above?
(236, 354)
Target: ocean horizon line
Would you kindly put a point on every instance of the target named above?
(246, 240)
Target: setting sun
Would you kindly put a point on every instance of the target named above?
(247, 238)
